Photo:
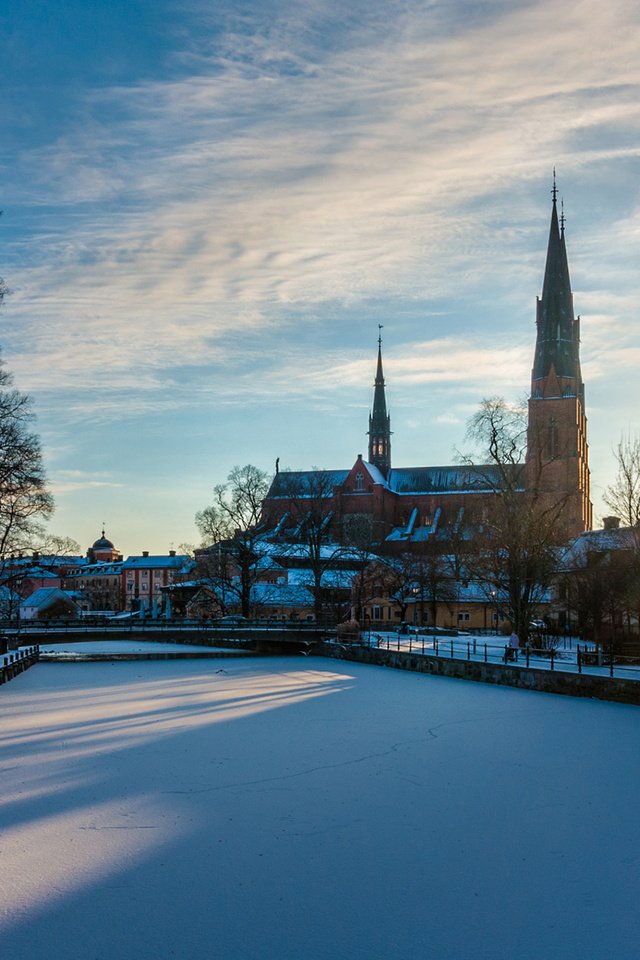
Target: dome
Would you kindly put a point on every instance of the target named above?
(103, 544)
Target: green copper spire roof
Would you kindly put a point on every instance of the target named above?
(558, 338)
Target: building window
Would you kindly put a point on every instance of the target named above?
(463, 616)
(359, 481)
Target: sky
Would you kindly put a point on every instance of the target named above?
(208, 208)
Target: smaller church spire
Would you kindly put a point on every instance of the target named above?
(379, 420)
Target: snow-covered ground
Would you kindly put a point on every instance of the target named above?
(278, 808)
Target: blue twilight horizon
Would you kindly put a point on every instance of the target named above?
(209, 208)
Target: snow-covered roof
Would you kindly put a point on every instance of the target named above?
(39, 573)
(484, 478)
(155, 563)
(299, 551)
(448, 479)
(98, 570)
(7, 595)
(295, 484)
(374, 472)
(45, 596)
(267, 562)
(598, 541)
(281, 595)
(340, 579)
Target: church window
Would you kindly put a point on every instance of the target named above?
(359, 481)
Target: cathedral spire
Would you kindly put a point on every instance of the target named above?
(380, 421)
(557, 351)
(557, 448)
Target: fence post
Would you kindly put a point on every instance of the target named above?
(435, 644)
(423, 642)
(451, 648)
(474, 646)
(611, 662)
(526, 653)
(410, 643)
(579, 659)
(485, 651)
(468, 650)
(552, 656)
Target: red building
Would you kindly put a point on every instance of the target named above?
(403, 505)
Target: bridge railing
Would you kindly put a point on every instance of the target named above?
(16, 661)
(155, 625)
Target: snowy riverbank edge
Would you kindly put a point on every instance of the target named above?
(618, 690)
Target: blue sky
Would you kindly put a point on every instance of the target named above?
(209, 207)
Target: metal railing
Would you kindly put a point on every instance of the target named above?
(16, 661)
(582, 658)
(159, 625)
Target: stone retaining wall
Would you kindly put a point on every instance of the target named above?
(512, 675)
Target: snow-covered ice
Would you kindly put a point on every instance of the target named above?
(279, 808)
(125, 646)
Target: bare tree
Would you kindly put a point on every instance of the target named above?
(514, 553)
(229, 528)
(433, 583)
(623, 495)
(311, 508)
(56, 545)
(24, 500)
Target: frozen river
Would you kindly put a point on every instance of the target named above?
(304, 808)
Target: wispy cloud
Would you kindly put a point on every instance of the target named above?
(71, 481)
(229, 230)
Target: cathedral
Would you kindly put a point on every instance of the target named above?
(416, 505)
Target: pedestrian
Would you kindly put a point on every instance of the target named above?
(514, 644)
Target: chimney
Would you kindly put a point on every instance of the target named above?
(611, 523)
(172, 553)
(145, 553)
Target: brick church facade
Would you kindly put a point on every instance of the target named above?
(418, 505)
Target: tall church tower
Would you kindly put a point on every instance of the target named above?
(557, 452)
(380, 423)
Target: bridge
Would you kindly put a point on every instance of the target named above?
(262, 636)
